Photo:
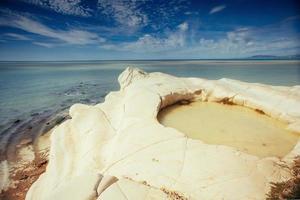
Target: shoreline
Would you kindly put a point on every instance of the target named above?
(23, 175)
(20, 132)
(26, 156)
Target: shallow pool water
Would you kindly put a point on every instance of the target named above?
(236, 126)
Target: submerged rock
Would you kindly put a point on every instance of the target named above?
(122, 138)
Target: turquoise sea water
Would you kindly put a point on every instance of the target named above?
(34, 90)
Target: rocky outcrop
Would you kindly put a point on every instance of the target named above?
(118, 149)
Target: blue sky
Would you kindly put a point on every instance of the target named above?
(147, 29)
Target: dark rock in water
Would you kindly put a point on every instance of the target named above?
(60, 119)
(29, 127)
(17, 121)
(64, 106)
(69, 100)
(34, 114)
(85, 100)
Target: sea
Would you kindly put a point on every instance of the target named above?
(31, 93)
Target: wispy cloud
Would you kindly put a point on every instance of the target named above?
(43, 44)
(168, 12)
(150, 43)
(248, 41)
(217, 9)
(126, 13)
(71, 36)
(16, 36)
(67, 7)
(292, 18)
(240, 42)
(191, 13)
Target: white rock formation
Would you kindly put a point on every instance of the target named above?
(122, 138)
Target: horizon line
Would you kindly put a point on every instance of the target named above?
(171, 59)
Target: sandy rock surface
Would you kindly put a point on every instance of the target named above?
(122, 138)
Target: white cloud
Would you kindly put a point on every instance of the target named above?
(217, 9)
(184, 26)
(68, 7)
(126, 13)
(72, 36)
(244, 42)
(191, 13)
(16, 36)
(150, 43)
(238, 43)
(43, 44)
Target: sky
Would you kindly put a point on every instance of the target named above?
(147, 29)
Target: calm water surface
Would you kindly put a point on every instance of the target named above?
(242, 128)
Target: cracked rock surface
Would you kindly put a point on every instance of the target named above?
(118, 149)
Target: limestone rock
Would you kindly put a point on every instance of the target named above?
(122, 138)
